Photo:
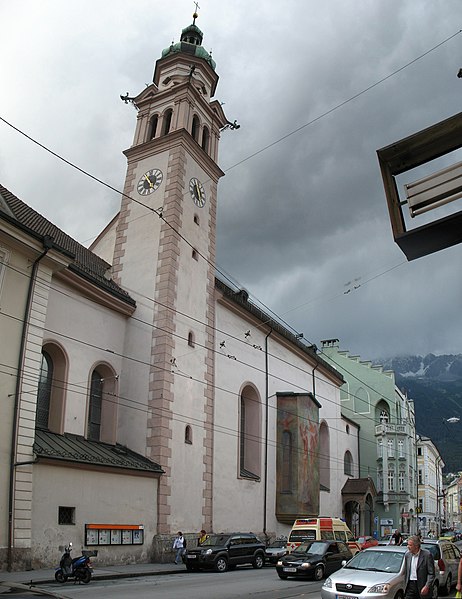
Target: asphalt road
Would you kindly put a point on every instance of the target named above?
(240, 583)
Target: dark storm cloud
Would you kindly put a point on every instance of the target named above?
(300, 224)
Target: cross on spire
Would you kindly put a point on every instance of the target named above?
(195, 15)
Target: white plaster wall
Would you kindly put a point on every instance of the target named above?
(98, 497)
(87, 331)
(289, 371)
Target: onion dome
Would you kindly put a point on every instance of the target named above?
(190, 43)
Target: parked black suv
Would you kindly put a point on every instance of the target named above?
(224, 551)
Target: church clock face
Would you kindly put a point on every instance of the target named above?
(197, 191)
(149, 182)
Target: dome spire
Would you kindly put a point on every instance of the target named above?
(195, 13)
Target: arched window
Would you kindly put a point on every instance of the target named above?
(95, 407)
(51, 389)
(384, 417)
(191, 339)
(44, 391)
(250, 434)
(102, 405)
(205, 139)
(287, 464)
(167, 122)
(153, 126)
(348, 464)
(195, 128)
(188, 435)
(324, 456)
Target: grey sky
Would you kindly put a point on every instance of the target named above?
(299, 224)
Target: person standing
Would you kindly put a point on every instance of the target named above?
(459, 576)
(419, 572)
(397, 538)
(178, 547)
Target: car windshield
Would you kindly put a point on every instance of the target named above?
(277, 544)
(378, 561)
(214, 540)
(316, 547)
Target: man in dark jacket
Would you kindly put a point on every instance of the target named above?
(420, 570)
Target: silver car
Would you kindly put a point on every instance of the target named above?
(447, 557)
(374, 573)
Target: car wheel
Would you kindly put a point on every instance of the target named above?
(319, 572)
(282, 576)
(221, 564)
(258, 561)
(399, 595)
(446, 587)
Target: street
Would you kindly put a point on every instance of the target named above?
(243, 582)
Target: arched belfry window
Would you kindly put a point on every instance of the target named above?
(102, 405)
(51, 389)
(195, 128)
(153, 126)
(167, 121)
(205, 139)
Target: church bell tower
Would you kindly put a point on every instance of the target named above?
(164, 256)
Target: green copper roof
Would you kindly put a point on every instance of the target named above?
(190, 43)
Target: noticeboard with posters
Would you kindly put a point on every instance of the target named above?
(114, 534)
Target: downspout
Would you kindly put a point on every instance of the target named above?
(265, 487)
(47, 244)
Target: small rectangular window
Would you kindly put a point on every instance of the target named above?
(66, 515)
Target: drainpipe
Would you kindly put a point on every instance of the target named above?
(265, 487)
(47, 245)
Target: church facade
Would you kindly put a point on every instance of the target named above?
(142, 394)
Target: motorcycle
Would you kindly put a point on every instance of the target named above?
(79, 568)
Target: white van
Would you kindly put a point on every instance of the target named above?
(321, 529)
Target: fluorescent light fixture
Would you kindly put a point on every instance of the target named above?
(435, 190)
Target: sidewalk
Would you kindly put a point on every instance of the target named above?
(45, 576)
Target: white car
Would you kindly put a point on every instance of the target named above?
(374, 573)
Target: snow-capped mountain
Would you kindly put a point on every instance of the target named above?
(437, 368)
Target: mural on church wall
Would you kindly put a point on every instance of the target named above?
(297, 472)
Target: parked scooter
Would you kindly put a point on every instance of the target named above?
(79, 568)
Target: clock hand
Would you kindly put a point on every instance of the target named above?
(149, 181)
(198, 193)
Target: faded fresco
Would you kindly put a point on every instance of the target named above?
(297, 472)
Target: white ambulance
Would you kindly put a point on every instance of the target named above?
(321, 529)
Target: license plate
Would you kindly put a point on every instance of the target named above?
(290, 569)
(191, 556)
(345, 597)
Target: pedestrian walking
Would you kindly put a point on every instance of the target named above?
(419, 570)
(178, 547)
